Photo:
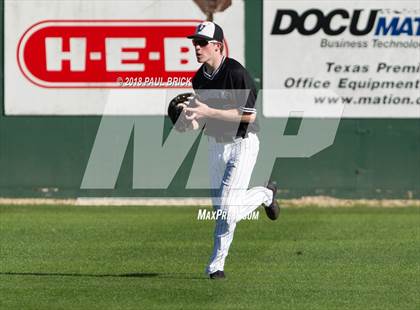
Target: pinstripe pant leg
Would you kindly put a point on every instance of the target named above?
(234, 198)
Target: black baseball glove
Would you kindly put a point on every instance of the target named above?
(175, 108)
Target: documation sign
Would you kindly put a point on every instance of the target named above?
(366, 55)
(108, 53)
(349, 20)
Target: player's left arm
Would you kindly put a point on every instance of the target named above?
(202, 110)
(233, 115)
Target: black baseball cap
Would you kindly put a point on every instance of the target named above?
(208, 31)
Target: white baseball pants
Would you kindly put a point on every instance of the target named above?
(230, 169)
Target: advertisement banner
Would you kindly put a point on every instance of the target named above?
(116, 57)
(361, 57)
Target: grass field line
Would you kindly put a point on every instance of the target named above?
(113, 258)
(319, 201)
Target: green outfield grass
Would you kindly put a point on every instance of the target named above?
(67, 257)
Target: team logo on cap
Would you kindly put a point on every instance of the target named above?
(201, 27)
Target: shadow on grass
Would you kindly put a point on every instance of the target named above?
(122, 275)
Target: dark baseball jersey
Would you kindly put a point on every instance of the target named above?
(228, 87)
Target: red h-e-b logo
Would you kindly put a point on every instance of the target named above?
(99, 54)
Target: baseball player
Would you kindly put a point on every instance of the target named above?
(226, 108)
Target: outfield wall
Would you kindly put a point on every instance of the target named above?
(46, 156)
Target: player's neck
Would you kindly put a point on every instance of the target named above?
(214, 63)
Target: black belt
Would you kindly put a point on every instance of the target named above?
(228, 139)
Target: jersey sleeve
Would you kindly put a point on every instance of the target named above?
(245, 91)
(194, 82)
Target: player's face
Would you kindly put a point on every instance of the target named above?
(204, 50)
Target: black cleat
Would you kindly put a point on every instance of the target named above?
(273, 210)
(219, 274)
